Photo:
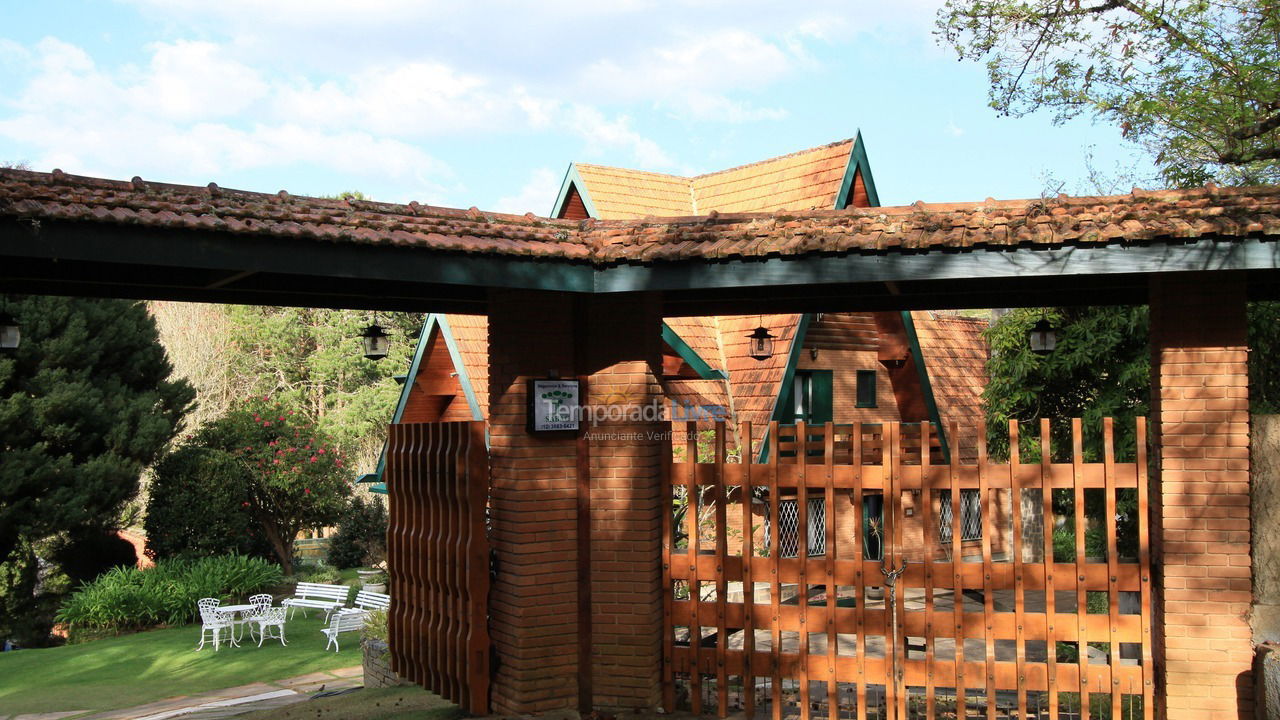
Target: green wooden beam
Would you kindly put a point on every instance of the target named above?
(926, 387)
(690, 356)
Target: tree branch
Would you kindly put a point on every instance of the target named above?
(1261, 127)
(1244, 158)
(1180, 36)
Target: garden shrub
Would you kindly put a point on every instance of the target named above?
(321, 573)
(198, 507)
(132, 599)
(361, 539)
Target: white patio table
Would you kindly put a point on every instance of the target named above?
(242, 611)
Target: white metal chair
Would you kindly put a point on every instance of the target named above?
(343, 621)
(261, 604)
(212, 622)
(272, 618)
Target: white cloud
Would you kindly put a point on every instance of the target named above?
(412, 100)
(536, 196)
(600, 132)
(952, 129)
(75, 116)
(693, 73)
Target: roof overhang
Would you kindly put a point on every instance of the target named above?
(80, 236)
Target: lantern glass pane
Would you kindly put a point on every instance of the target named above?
(376, 345)
(10, 336)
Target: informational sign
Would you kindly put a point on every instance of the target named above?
(554, 406)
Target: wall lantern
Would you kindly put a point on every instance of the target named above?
(1043, 337)
(375, 342)
(761, 344)
(10, 336)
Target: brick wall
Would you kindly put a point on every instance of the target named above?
(533, 601)
(1202, 535)
(623, 342)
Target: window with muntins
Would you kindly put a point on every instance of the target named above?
(789, 522)
(970, 516)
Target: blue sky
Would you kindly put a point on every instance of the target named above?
(486, 103)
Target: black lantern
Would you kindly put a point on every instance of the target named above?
(761, 344)
(10, 336)
(375, 342)
(1043, 337)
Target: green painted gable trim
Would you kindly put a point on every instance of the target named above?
(573, 180)
(464, 379)
(930, 403)
(858, 164)
(432, 322)
(788, 377)
(691, 356)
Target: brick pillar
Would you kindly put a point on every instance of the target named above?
(624, 351)
(534, 601)
(1200, 409)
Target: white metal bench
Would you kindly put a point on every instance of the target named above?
(317, 595)
(369, 601)
(343, 621)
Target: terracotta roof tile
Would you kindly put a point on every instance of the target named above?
(1182, 215)
(955, 355)
(754, 383)
(471, 333)
(800, 181)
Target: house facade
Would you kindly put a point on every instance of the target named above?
(836, 369)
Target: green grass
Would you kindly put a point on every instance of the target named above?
(144, 667)
(382, 704)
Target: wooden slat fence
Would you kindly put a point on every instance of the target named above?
(437, 478)
(1031, 619)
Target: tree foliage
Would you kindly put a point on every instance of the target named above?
(362, 534)
(1100, 368)
(85, 405)
(307, 358)
(1196, 83)
(198, 507)
(295, 476)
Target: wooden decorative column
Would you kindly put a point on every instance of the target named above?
(1200, 399)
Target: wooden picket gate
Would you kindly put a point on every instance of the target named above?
(1027, 619)
(437, 478)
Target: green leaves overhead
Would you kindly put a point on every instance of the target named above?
(1197, 84)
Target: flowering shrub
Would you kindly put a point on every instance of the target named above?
(293, 478)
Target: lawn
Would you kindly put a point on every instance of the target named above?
(404, 703)
(141, 668)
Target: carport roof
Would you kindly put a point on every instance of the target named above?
(63, 234)
(1140, 217)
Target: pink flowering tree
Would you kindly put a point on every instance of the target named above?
(296, 479)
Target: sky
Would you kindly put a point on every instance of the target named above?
(486, 103)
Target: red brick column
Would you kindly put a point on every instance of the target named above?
(1201, 539)
(624, 352)
(534, 610)
(533, 600)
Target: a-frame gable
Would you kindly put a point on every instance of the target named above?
(434, 328)
(858, 186)
(573, 202)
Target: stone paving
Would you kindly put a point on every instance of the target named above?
(225, 703)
